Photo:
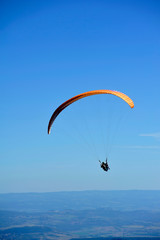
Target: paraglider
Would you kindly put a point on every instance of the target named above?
(104, 165)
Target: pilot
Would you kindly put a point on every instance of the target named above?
(104, 165)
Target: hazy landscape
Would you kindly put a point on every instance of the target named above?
(80, 215)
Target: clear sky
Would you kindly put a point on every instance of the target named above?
(53, 50)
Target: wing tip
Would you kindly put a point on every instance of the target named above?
(49, 130)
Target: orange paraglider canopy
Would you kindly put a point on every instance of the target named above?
(86, 94)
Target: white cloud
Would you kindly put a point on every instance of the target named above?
(144, 147)
(141, 147)
(154, 135)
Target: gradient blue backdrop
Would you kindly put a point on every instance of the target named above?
(53, 50)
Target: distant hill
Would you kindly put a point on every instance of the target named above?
(116, 200)
(118, 238)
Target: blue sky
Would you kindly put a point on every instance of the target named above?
(53, 50)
